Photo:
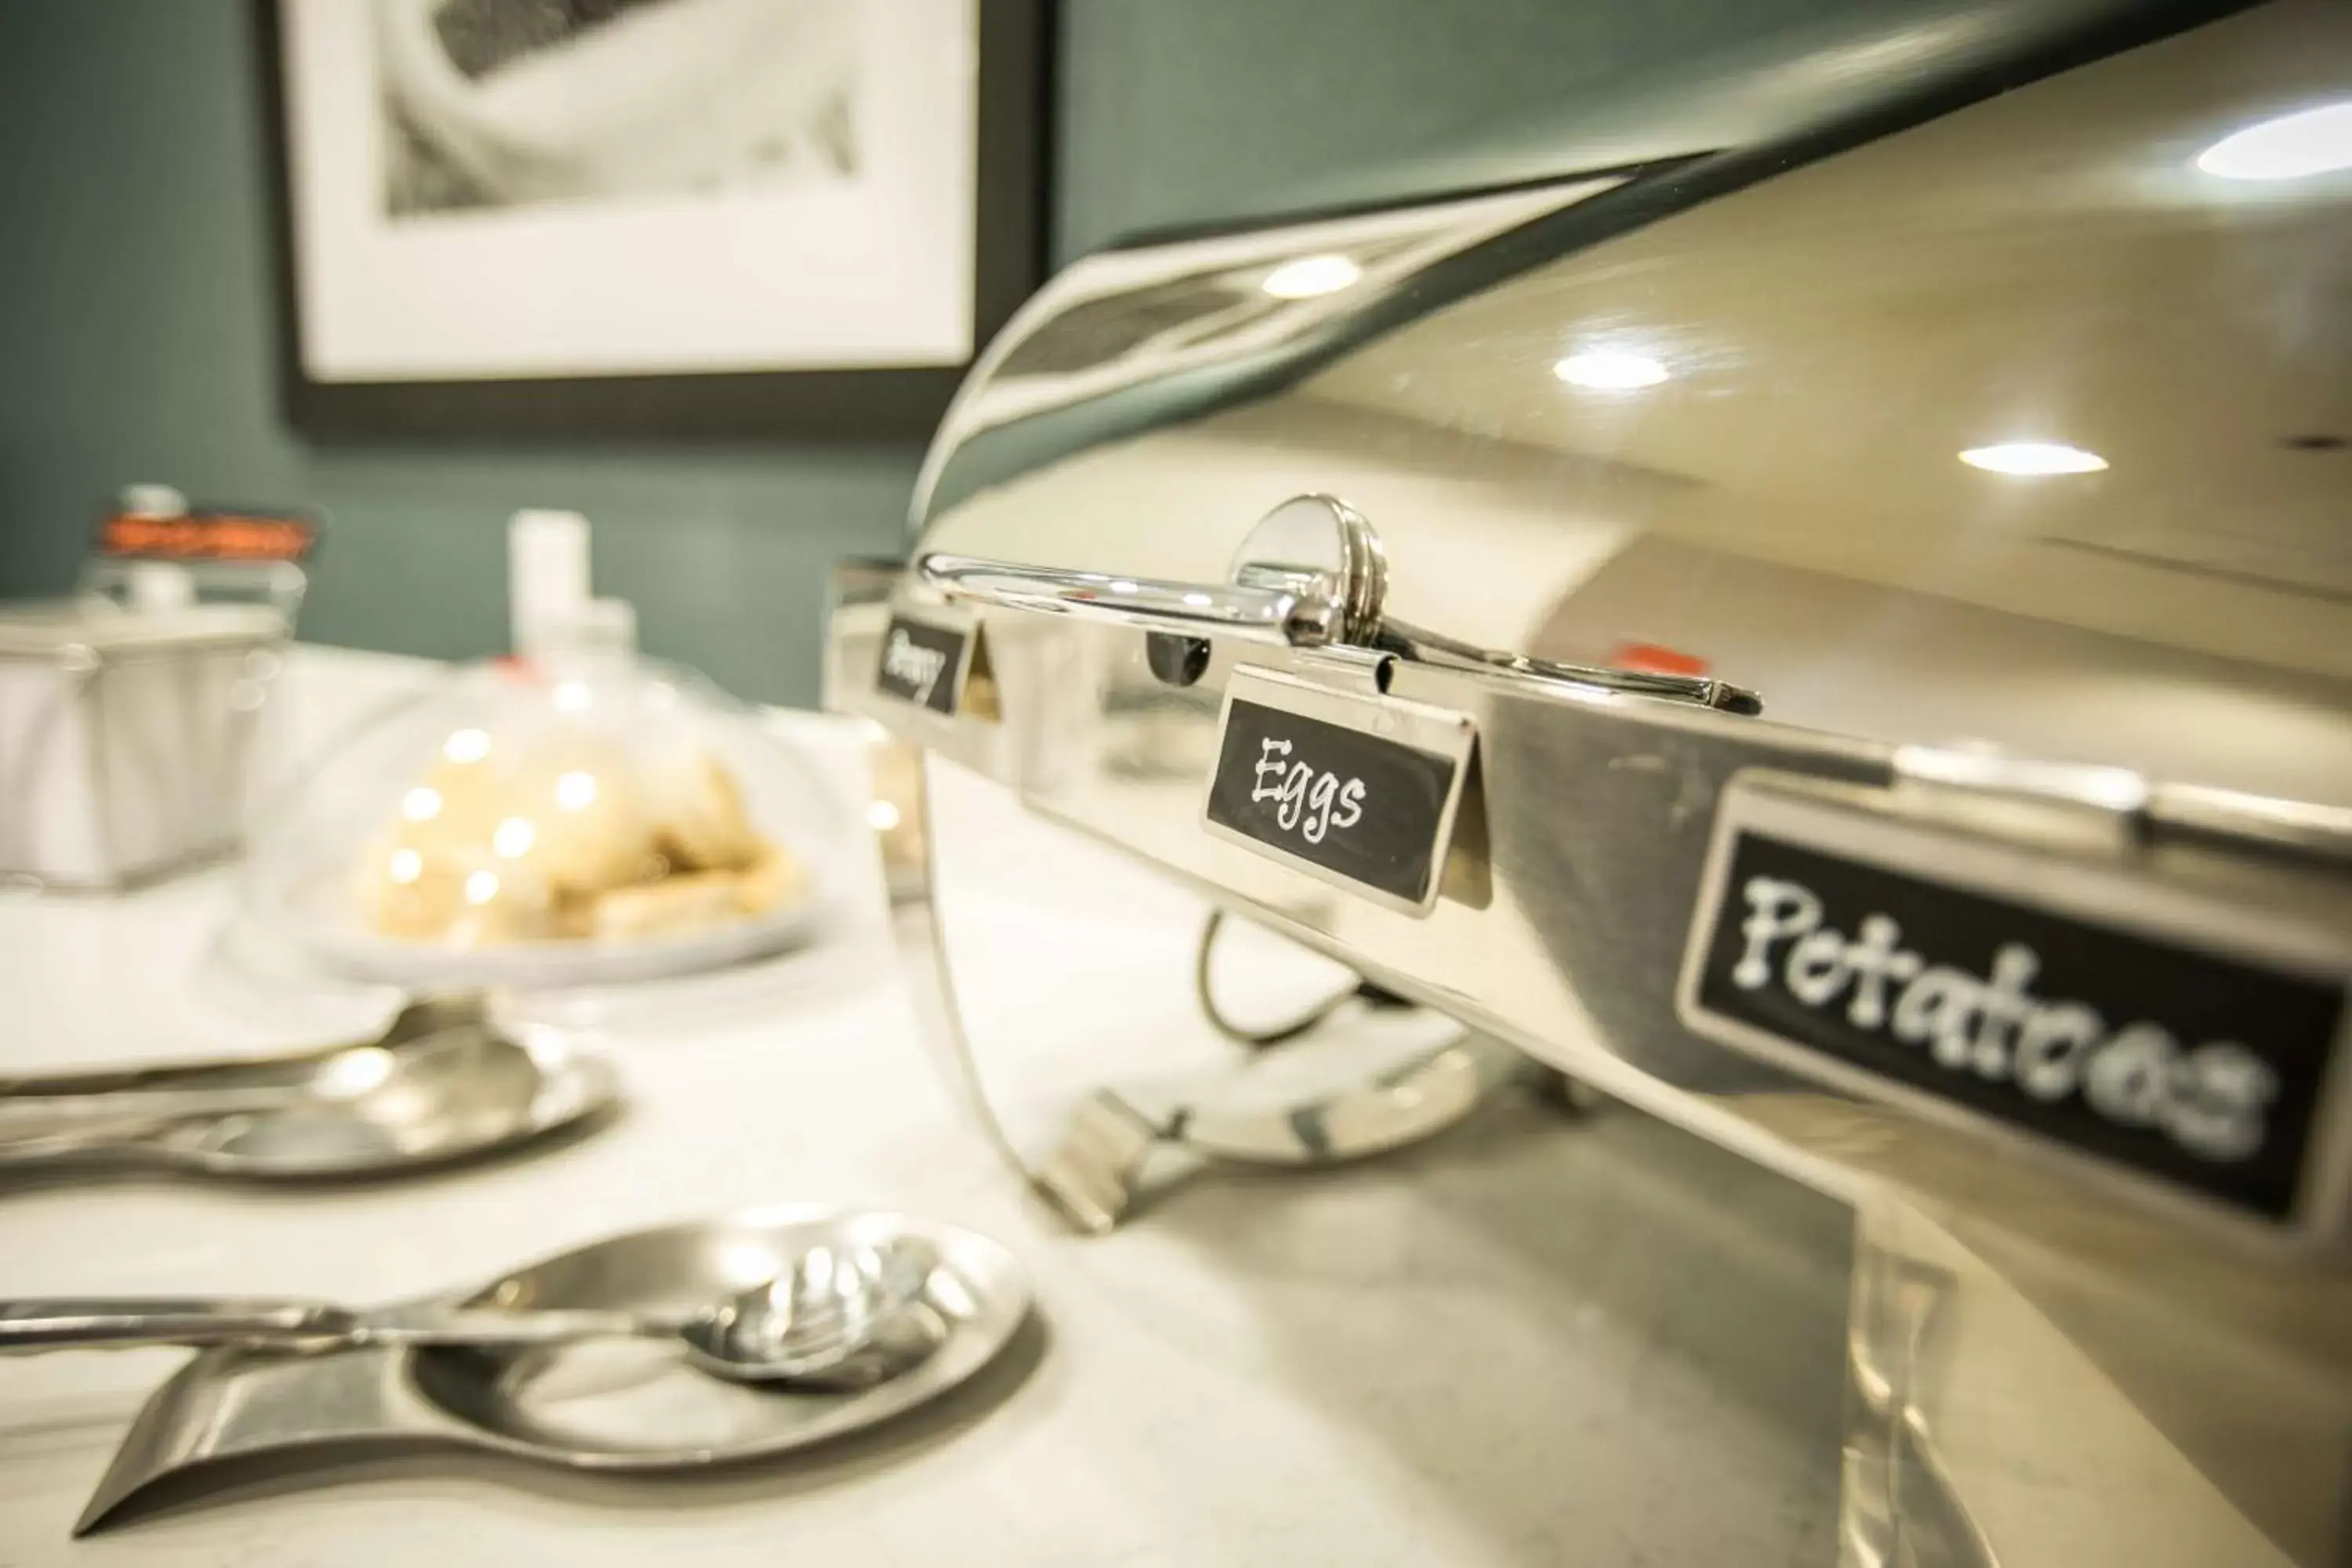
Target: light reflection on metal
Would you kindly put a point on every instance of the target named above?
(1611, 370)
(1311, 276)
(2291, 147)
(2033, 460)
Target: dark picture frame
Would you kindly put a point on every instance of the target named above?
(1009, 248)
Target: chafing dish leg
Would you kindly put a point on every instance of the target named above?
(1093, 1174)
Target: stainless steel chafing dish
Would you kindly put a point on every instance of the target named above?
(1870, 592)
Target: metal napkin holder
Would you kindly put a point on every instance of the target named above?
(129, 735)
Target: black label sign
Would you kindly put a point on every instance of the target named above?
(1363, 807)
(922, 664)
(2201, 1071)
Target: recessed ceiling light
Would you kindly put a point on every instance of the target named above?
(1610, 370)
(2290, 147)
(2033, 459)
(1310, 276)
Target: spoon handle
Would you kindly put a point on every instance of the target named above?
(490, 1328)
(29, 1146)
(28, 1328)
(146, 1104)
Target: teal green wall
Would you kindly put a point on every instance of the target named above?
(136, 343)
(136, 326)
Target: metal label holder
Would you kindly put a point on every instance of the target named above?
(1357, 789)
(935, 658)
(2050, 869)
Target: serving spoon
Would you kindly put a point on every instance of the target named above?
(343, 1078)
(840, 1318)
(340, 1076)
(443, 1081)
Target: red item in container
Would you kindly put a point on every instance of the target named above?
(1653, 659)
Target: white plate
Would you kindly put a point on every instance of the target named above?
(348, 949)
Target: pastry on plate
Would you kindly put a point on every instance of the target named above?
(568, 838)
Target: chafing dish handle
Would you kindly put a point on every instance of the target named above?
(1300, 617)
(1301, 614)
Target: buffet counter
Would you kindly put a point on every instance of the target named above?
(1539, 1337)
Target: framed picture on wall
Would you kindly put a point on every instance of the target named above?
(650, 217)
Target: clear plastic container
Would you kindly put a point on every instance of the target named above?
(585, 817)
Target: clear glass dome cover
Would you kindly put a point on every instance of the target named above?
(567, 821)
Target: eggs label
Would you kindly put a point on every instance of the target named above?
(1357, 790)
(1310, 802)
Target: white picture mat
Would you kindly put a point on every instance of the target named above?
(874, 272)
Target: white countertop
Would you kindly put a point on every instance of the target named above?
(1530, 1341)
